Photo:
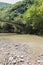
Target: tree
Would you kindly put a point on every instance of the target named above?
(8, 28)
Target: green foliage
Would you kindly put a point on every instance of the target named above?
(7, 28)
(28, 14)
(34, 17)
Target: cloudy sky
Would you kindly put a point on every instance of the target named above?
(9, 1)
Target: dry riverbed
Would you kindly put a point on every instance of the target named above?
(21, 49)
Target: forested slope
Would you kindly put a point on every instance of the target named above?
(27, 13)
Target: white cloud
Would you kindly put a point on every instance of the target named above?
(9, 1)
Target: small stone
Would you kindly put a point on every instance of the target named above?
(14, 61)
(21, 60)
(42, 55)
(29, 63)
(21, 56)
(1, 64)
(10, 58)
(18, 56)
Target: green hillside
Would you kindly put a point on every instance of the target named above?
(28, 14)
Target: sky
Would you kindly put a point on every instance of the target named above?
(10, 1)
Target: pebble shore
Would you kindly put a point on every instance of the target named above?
(18, 54)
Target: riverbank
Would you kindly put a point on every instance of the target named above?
(34, 41)
(21, 49)
(21, 38)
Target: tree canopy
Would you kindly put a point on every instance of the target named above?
(29, 13)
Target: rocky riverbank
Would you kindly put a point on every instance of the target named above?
(19, 54)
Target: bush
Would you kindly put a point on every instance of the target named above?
(8, 28)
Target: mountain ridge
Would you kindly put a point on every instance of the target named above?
(3, 4)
